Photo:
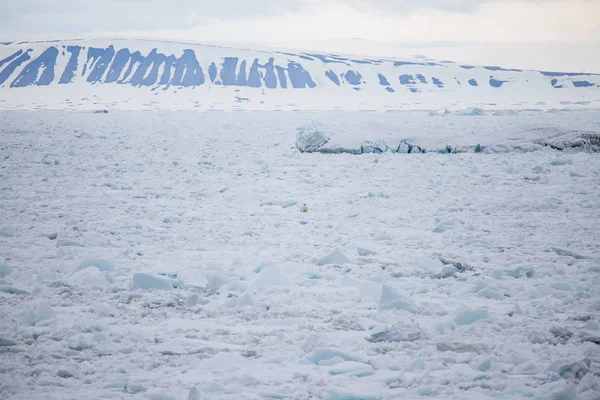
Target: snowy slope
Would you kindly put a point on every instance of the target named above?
(144, 74)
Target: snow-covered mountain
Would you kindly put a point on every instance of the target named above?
(144, 74)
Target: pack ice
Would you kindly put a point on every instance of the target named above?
(163, 255)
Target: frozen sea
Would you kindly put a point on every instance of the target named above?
(164, 256)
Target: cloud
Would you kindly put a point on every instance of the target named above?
(498, 21)
(298, 21)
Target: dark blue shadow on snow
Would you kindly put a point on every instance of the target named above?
(326, 59)
(401, 63)
(421, 78)
(496, 83)
(353, 77)
(10, 68)
(472, 82)
(554, 82)
(299, 77)
(120, 61)
(389, 89)
(582, 84)
(332, 77)
(29, 74)
(281, 77)
(152, 62)
(383, 80)
(559, 74)
(71, 68)
(270, 78)
(437, 82)
(493, 68)
(212, 72)
(407, 79)
(11, 57)
(100, 60)
(185, 70)
(228, 71)
(242, 79)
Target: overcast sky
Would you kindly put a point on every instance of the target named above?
(295, 21)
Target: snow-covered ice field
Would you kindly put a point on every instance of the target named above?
(148, 255)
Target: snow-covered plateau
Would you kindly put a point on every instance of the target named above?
(164, 255)
(126, 74)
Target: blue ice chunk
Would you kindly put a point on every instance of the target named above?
(391, 299)
(5, 270)
(520, 272)
(469, 317)
(101, 59)
(353, 77)
(414, 90)
(353, 393)
(142, 280)
(563, 286)
(29, 74)
(335, 257)
(352, 368)
(437, 82)
(71, 68)
(407, 79)
(327, 353)
(472, 82)
(383, 80)
(10, 68)
(299, 77)
(333, 77)
(566, 252)
(490, 294)
(389, 89)
(99, 263)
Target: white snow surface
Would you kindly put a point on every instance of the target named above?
(163, 255)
